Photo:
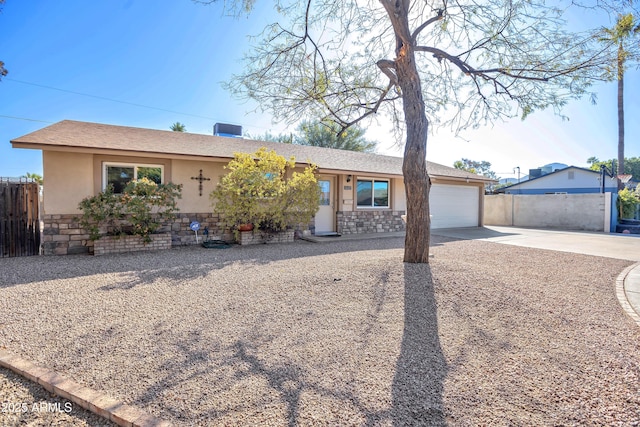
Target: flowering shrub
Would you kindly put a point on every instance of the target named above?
(261, 189)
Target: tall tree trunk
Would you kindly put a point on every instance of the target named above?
(414, 166)
(620, 112)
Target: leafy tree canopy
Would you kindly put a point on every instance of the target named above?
(482, 61)
(621, 39)
(35, 177)
(178, 127)
(481, 168)
(324, 134)
(631, 166)
(285, 138)
(329, 134)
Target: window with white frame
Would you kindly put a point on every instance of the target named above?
(372, 193)
(120, 174)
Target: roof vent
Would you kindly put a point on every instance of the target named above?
(225, 129)
(535, 173)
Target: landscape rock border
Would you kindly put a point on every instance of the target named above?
(621, 292)
(96, 402)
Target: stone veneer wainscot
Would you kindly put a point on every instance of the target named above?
(370, 221)
(62, 234)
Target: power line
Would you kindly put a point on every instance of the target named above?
(25, 119)
(103, 98)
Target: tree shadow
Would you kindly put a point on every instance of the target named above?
(178, 263)
(421, 368)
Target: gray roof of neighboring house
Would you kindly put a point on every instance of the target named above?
(542, 177)
(95, 137)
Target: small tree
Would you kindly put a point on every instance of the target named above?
(329, 134)
(480, 168)
(627, 50)
(35, 177)
(178, 127)
(259, 190)
(627, 203)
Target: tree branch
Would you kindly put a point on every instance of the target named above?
(416, 33)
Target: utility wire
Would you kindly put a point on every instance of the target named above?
(108, 99)
(25, 119)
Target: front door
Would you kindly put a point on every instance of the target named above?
(326, 216)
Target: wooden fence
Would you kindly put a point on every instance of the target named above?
(19, 219)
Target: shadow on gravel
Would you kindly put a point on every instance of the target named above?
(421, 369)
(189, 262)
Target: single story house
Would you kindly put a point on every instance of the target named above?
(80, 159)
(570, 180)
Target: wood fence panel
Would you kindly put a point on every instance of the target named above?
(19, 218)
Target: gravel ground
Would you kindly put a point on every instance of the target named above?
(25, 403)
(334, 334)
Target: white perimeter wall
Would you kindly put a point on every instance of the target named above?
(590, 212)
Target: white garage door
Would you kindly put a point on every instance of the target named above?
(454, 206)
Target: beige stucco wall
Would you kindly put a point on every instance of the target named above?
(398, 197)
(183, 170)
(70, 177)
(565, 211)
(68, 180)
(497, 209)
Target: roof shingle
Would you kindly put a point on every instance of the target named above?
(96, 136)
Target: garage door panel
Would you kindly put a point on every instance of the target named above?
(454, 206)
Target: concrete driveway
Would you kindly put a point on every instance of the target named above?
(617, 246)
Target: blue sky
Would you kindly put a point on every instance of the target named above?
(165, 60)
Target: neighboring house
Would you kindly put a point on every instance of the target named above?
(570, 180)
(80, 159)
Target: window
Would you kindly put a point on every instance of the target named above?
(373, 193)
(120, 174)
(325, 192)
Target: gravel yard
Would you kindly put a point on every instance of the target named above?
(332, 334)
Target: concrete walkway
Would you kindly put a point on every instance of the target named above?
(617, 246)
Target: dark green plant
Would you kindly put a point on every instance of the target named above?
(140, 210)
(627, 203)
(148, 205)
(102, 214)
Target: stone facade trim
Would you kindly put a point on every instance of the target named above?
(114, 244)
(369, 221)
(256, 237)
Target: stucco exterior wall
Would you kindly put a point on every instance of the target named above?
(68, 180)
(590, 212)
(399, 199)
(183, 170)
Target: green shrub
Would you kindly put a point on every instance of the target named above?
(140, 210)
(259, 190)
(627, 203)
